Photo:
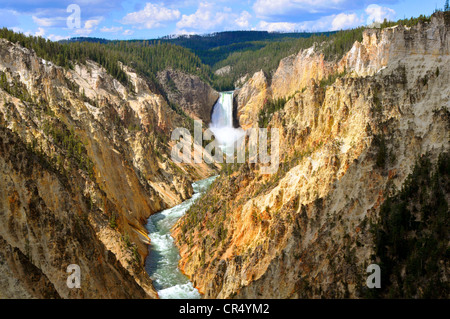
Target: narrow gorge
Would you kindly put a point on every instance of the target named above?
(88, 176)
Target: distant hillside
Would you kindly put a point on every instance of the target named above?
(85, 39)
(237, 49)
(214, 47)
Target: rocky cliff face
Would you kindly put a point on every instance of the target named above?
(250, 98)
(84, 162)
(305, 231)
(189, 92)
(378, 49)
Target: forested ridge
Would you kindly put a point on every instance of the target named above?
(145, 58)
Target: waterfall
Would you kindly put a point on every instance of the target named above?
(222, 121)
(222, 115)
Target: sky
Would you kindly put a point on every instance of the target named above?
(117, 19)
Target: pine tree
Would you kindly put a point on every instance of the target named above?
(447, 6)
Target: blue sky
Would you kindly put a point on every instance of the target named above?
(117, 19)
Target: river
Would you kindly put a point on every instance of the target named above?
(162, 262)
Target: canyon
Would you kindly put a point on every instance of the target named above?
(85, 168)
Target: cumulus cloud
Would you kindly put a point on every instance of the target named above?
(211, 17)
(43, 22)
(152, 16)
(206, 17)
(377, 13)
(373, 13)
(345, 21)
(184, 32)
(40, 32)
(200, 16)
(89, 27)
(278, 26)
(244, 20)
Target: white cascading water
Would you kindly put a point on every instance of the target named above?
(222, 122)
(222, 115)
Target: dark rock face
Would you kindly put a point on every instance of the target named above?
(193, 95)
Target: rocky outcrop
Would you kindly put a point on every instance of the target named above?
(305, 231)
(84, 162)
(381, 48)
(223, 71)
(250, 98)
(296, 72)
(189, 92)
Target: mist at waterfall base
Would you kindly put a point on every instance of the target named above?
(162, 261)
(222, 123)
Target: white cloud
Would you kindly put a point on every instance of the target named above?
(331, 22)
(43, 22)
(203, 19)
(54, 37)
(244, 20)
(89, 27)
(345, 21)
(185, 32)
(152, 16)
(278, 26)
(40, 32)
(210, 17)
(17, 29)
(377, 13)
(112, 29)
(7, 14)
(90, 24)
